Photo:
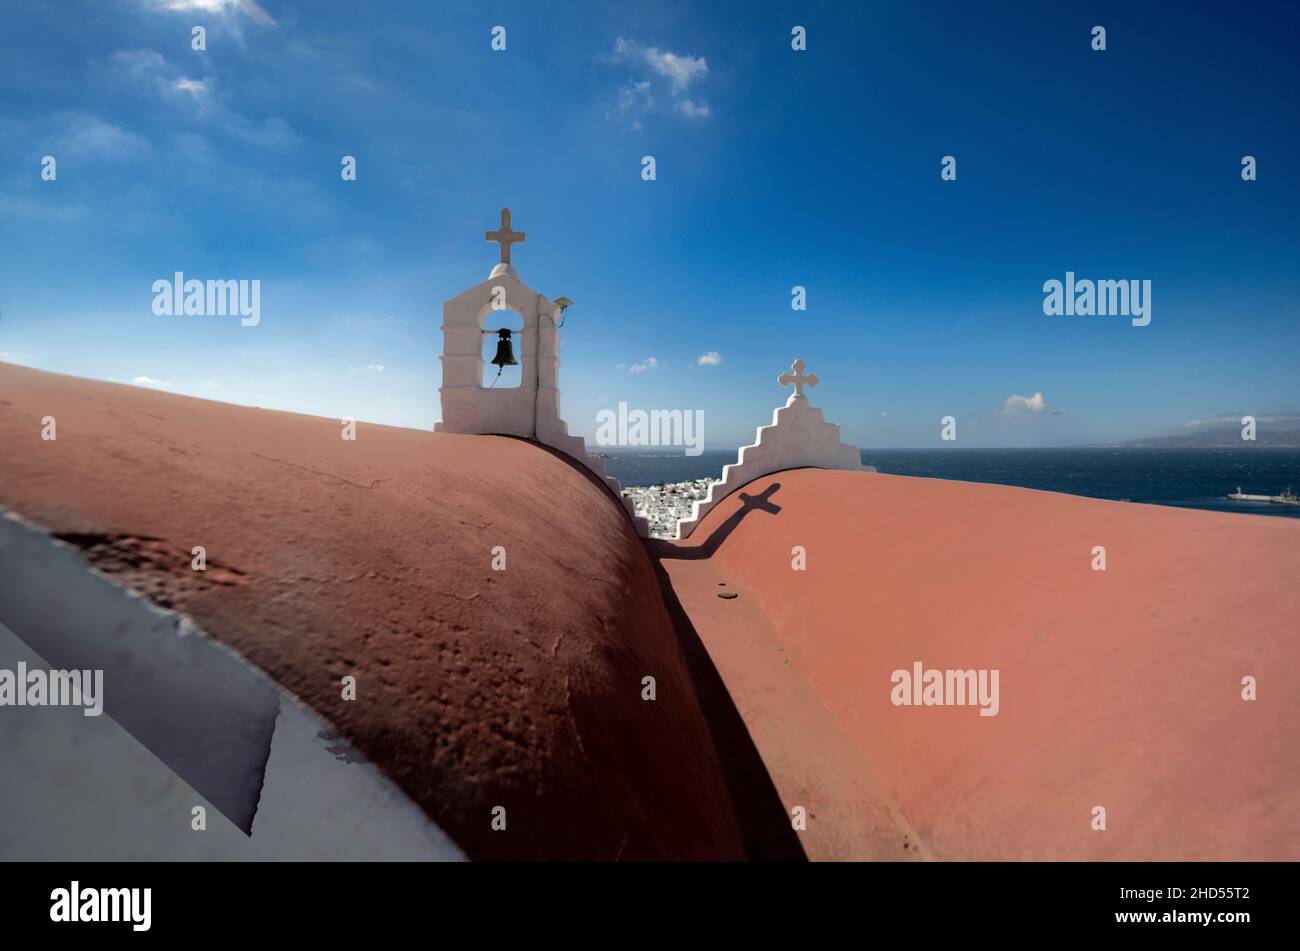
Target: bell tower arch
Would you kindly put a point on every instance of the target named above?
(469, 403)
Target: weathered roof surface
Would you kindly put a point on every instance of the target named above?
(325, 558)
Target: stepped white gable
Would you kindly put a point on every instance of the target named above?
(799, 437)
(532, 409)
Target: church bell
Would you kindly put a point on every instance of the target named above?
(505, 352)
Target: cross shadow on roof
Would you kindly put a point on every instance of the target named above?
(762, 502)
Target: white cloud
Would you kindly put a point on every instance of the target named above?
(248, 8)
(150, 69)
(195, 87)
(1016, 405)
(673, 72)
(681, 71)
(150, 381)
(710, 359)
(649, 363)
(884, 412)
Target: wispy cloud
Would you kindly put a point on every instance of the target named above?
(139, 63)
(635, 95)
(76, 133)
(149, 71)
(710, 359)
(195, 87)
(1234, 419)
(199, 100)
(693, 109)
(674, 73)
(150, 381)
(89, 134)
(649, 363)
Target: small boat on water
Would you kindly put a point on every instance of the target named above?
(1287, 497)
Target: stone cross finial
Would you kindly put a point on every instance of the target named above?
(798, 378)
(504, 236)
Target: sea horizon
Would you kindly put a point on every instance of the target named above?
(1178, 477)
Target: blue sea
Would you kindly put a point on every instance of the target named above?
(1187, 478)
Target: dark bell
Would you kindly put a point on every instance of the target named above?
(505, 352)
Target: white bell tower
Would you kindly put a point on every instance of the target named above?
(532, 409)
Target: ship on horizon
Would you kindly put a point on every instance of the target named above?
(1286, 497)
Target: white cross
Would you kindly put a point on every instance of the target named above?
(797, 378)
(504, 236)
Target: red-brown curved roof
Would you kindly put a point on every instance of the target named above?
(476, 687)
(1119, 689)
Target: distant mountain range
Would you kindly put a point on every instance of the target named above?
(1275, 431)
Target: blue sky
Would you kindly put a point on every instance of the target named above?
(774, 168)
